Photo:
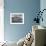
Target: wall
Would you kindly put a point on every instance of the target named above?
(43, 6)
(29, 8)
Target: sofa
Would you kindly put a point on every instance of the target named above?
(39, 33)
(39, 37)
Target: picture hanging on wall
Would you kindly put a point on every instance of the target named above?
(16, 18)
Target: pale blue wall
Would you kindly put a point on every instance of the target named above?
(43, 6)
(28, 7)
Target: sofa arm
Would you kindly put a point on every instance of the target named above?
(39, 37)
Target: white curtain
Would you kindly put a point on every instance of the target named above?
(1, 20)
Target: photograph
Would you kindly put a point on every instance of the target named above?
(16, 18)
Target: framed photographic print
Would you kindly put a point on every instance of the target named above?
(16, 18)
